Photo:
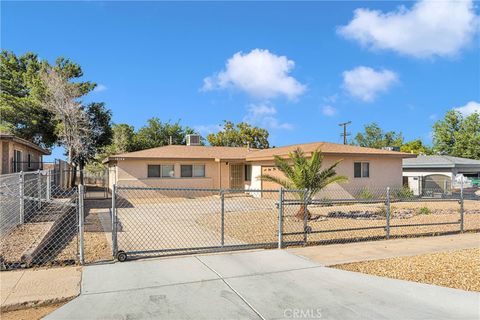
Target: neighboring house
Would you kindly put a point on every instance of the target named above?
(438, 173)
(187, 166)
(19, 154)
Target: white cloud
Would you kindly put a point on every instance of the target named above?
(259, 73)
(428, 28)
(366, 83)
(265, 116)
(329, 111)
(100, 88)
(469, 108)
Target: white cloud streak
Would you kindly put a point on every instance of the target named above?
(329, 111)
(265, 116)
(427, 29)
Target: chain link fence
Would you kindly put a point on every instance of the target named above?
(43, 223)
(163, 221)
(38, 221)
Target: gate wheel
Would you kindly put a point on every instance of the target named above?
(121, 256)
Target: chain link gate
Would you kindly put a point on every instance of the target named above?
(150, 221)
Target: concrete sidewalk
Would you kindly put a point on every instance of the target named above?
(270, 284)
(28, 288)
(373, 250)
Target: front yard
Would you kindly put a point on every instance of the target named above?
(454, 269)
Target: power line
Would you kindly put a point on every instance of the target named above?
(345, 133)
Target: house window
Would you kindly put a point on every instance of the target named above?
(189, 171)
(248, 172)
(361, 169)
(29, 161)
(153, 171)
(17, 161)
(167, 170)
(161, 171)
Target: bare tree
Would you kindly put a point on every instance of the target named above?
(62, 99)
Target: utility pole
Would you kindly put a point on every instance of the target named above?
(345, 133)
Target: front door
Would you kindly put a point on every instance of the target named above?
(236, 176)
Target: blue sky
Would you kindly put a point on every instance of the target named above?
(296, 68)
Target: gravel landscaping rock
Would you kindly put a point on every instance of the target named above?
(453, 269)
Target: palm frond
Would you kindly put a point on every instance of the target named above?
(282, 182)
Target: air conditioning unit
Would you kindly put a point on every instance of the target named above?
(193, 140)
(391, 148)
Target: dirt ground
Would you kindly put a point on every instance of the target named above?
(22, 238)
(258, 226)
(30, 313)
(454, 269)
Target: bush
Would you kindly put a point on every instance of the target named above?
(424, 210)
(365, 194)
(404, 193)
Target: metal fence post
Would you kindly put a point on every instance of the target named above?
(114, 221)
(387, 214)
(222, 217)
(462, 212)
(49, 185)
(280, 218)
(81, 219)
(22, 199)
(305, 216)
(39, 189)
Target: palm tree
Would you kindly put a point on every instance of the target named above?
(306, 174)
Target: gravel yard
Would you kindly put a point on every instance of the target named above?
(260, 225)
(454, 269)
(22, 238)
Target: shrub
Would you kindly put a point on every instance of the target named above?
(404, 193)
(365, 194)
(424, 210)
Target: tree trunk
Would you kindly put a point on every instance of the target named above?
(300, 215)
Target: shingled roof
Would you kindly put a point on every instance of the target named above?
(187, 152)
(239, 153)
(325, 148)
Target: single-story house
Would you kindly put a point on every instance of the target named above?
(193, 166)
(19, 154)
(438, 173)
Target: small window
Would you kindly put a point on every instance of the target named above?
(29, 159)
(248, 172)
(361, 169)
(168, 171)
(186, 171)
(199, 170)
(189, 171)
(153, 171)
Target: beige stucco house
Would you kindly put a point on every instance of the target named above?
(19, 154)
(179, 166)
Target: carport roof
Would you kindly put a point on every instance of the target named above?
(439, 161)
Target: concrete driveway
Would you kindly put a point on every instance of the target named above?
(270, 284)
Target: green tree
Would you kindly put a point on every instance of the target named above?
(157, 134)
(302, 173)
(374, 137)
(239, 135)
(23, 91)
(458, 135)
(416, 147)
